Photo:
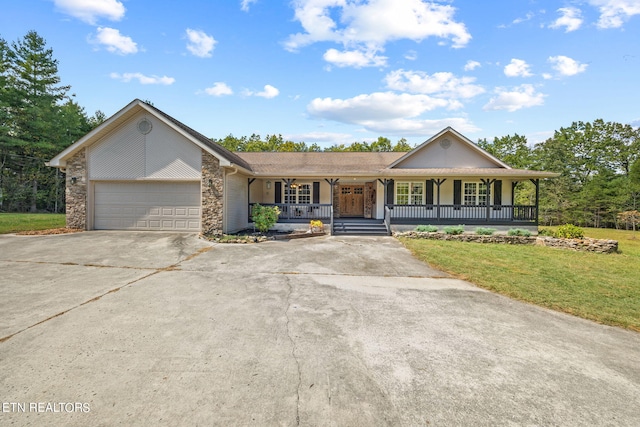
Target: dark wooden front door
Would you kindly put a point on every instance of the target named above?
(351, 200)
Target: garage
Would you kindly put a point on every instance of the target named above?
(161, 206)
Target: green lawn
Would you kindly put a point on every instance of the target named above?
(604, 288)
(14, 222)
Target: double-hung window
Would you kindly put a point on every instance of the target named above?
(475, 193)
(409, 193)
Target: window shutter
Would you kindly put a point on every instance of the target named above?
(278, 191)
(429, 192)
(497, 192)
(316, 192)
(390, 191)
(457, 192)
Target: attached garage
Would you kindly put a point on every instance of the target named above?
(158, 206)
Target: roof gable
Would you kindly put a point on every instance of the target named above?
(447, 149)
(129, 112)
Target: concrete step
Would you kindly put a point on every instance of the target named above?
(359, 228)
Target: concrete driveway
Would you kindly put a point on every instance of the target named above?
(115, 328)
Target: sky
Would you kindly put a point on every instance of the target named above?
(339, 71)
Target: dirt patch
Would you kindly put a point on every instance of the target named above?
(47, 232)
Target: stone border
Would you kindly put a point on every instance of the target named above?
(582, 245)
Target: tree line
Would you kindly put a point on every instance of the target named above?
(38, 119)
(598, 161)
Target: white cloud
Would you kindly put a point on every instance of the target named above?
(368, 26)
(114, 41)
(419, 127)
(244, 4)
(375, 106)
(354, 58)
(268, 92)
(90, 11)
(411, 55)
(523, 96)
(200, 44)
(517, 21)
(566, 66)
(143, 79)
(471, 65)
(219, 89)
(517, 68)
(325, 137)
(441, 84)
(571, 19)
(613, 13)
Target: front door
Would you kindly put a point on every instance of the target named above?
(351, 200)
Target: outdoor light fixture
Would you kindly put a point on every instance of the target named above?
(268, 185)
(210, 182)
(74, 179)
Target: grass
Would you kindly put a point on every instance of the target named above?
(14, 222)
(603, 288)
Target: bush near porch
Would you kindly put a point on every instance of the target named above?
(603, 288)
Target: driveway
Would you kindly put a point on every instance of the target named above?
(125, 328)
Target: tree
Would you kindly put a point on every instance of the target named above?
(513, 150)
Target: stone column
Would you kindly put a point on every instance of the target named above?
(76, 191)
(212, 195)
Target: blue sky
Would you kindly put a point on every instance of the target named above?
(339, 71)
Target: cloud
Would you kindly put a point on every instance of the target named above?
(523, 96)
(571, 19)
(200, 44)
(142, 79)
(325, 137)
(368, 26)
(419, 127)
(613, 13)
(244, 4)
(566, 66)
(354, 58)
(91, 11)
(443, 84)
(219, 89)
(517, 68)
(471, 65)
(268, 92)
(517, 21)
(114, 41)
(378, 106)
(411, 55)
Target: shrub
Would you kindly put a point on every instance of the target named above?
(265, 217)
(427, 228)
(545, 232)
(454, 229)
(569, 231)
(519, 232)
(485, 231)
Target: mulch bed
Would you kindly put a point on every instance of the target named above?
(50, 231)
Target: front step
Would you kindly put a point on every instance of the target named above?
(360, 228)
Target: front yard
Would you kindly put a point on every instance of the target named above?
(603, 288)
(16, 222)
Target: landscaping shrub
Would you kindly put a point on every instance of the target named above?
(316, 226)
(485, 231)
(427, 228)
(265, 217)
(454, 229)
(545, 232)
(569, 231)
(519, 232)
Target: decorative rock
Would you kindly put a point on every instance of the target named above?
(584, 245)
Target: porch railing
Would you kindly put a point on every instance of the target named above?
(299, 211)
(506, 213)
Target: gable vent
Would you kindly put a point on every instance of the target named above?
(144, 126)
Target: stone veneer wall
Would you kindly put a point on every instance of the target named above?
(336, 201)
(76, 194)
(584, 245)
(212, 195)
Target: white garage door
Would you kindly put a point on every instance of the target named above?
(171, 206)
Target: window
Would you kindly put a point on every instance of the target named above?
(297, 193)
(410, 193)
(475, 193)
